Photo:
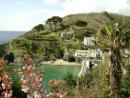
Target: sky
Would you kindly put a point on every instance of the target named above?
(23, 15)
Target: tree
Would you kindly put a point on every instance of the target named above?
(34, 48)
(54, 20)
(39, 27)
(49, 21)
(113, 37)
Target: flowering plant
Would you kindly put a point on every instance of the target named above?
(5, 82)
(31, 81)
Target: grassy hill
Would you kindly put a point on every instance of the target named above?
(61, 40)
(95, 20)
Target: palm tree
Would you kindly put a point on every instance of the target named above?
(113, 37)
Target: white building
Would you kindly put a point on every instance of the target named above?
(88, 40)
(81, 53)
(90, 53)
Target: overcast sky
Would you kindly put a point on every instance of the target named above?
(22, 15)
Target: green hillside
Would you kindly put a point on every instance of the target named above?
(61, 37)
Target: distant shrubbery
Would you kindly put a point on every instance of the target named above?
(2, 52)
(81, 23)
(39, 27)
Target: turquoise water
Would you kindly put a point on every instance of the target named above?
(53, 72)
(57, 72)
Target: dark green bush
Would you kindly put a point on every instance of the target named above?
(85, 80)
(2, 52)
(81, 23)
(125, 89)
(9, 57)
(70, 80)
(39, 27)
(105, 94)
(17, 92)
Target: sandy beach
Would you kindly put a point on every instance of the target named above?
(60, 62)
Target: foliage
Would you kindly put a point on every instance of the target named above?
(81, 23)
(80, 33)
(113, 36)
(74, 45)
(95, 21)
(70, 80)
(86, 80)
(16, 87)
(27, 82)
(113, 32)
(5, 86)
(54, 20)
(55, 85)
(30, 80)
(34, 47)
(9, 57)
(2, 52)
(39, 27)
(125, 89)
(2, 63)
(5, 82)
(57, 89)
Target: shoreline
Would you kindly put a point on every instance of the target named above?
(60, 62)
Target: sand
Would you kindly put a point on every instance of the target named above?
(60, 62)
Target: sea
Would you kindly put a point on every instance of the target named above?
(6, 36)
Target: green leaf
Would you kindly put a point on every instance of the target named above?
(109, 30)
(121, 23)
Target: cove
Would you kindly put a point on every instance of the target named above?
(57, 72)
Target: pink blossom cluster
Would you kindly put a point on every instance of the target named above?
(5, 82)
(31, 82)
(5, 86)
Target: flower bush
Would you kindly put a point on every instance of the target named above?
(28, 83)
(5, 82)
(57, 88)
(31, 81)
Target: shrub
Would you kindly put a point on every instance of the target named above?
(9, 57)
(39, 27)
(2, 52)
(125, 89)
(16, 87)
(85, 80)
(81, 23)
(70, 80)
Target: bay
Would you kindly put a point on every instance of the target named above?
(58, 72)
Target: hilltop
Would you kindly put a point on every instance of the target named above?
(61, 37)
